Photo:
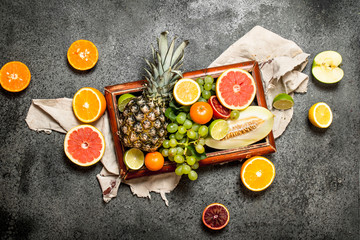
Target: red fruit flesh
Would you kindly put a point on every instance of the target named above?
(220, 112)
(215, 216)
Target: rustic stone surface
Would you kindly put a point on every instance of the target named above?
(315, 194)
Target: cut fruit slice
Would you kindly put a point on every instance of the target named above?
(235, 89)
(134, 158)
(15, 76)
(82, 55)
(186, 91)
(283, 101)
(123, 100)
(215, 216)
(219, 111)
(84, 145)
(320, 115)
(89, 104)
(253, 124)
(218, 129)
(257, 173)
(325, 67)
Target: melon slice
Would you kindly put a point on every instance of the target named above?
(254, 124)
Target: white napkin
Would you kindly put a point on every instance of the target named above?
(281, 62)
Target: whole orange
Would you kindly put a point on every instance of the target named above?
(154, 161)
(201, 112)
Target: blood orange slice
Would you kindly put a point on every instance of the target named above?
(220, 112)
(235, 89)
(216, 216)
(84, 145)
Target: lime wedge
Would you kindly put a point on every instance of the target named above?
(283, 101)
(134, 158)
(218, 129)
(123, 100)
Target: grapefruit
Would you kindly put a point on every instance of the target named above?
(220, 112)
(84, 145)
(216, 216)
(235, 89)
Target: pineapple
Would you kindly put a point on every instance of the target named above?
(143, 123)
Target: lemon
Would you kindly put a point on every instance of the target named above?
(320, 115)
(218, 129)
(283, 101)
(186, 91)
(123, 100)
(134, 158)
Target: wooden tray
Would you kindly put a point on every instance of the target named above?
(262, 147)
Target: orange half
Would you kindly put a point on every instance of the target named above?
(82, 55)
(186, 91)
(257, 173)
(89, 104)
(15, 76)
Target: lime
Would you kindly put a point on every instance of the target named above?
(218, 129)
(325, 67)
(134, 158)
(283, 101)
(123, 100)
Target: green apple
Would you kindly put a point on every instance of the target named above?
(325, 67)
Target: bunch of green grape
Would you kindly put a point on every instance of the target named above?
(207, 87)
(185, 137)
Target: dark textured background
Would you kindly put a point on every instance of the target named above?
(315, 194)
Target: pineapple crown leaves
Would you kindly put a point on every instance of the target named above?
(164, 69)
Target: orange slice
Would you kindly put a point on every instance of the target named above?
(320, 115)
(82, 55)
(15, 76)
(216, 216)
(257, 173)
(84, 145)
(88, 104)
(186, 91)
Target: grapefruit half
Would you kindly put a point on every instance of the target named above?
(235, 89)
(84, 145)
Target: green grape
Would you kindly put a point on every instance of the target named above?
(172, 127)
(195, 127)
(201, 88)
(200, 81)
(209, 79)
(201, 141)
(172, 143)
(192, 175)
(172, 151)
(181, 129)
(186, 169)
(172, 136)
(180, 151)
(195, 166)
(206, 94)
(196, 135)
(235, 114)
(191, 134)
(171, 158)
(178, 170)
(179, 158)
(180, 118)
(166, 143)
(183, 140)
(199, 148)
(213, 87)
(201, 99)
(179, 136)
(187, 124)
(188, 116)
(208, 86)
(203, 131)
(191, 160)
(165, 152)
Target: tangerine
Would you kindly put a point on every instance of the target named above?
(154, 161)
(15, 76)
(201, 112)
(82, 55)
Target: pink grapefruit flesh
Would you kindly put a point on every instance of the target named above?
(84, 145)
(235, 89)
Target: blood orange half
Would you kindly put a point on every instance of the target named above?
(84, 145)
(235, 89)
(216, 216)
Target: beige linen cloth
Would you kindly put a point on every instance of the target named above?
(281, 62)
